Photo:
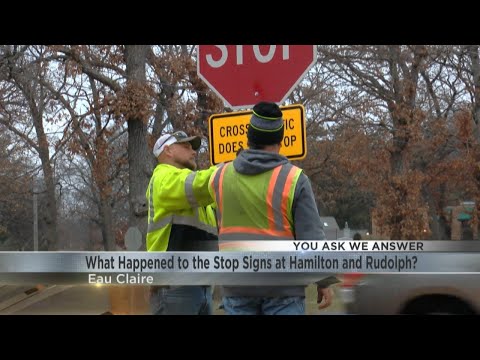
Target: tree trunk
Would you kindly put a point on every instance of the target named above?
(475, 68)
(106, 216)
(49, 214)
(138, 160)
(437, 223)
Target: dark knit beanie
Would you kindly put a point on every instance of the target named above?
(266, 124)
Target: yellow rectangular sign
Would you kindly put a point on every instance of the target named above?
(228, 134)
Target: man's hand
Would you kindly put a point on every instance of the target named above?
(324, 297)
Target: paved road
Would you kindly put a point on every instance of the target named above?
(53, 300)
(92, 300)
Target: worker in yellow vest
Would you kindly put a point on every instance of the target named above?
(262, 196)
(180, 219)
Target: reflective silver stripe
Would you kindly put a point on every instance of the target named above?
(160, 223)
(181, 220)
(189, 190)
(277, 200)
(244, 245)
(150, 203)
(245, 236)
(188, 220)
(216, 187)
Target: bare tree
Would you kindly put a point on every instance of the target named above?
(24, 104)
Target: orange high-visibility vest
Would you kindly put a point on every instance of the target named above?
(254, 207)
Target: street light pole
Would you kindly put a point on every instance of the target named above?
(35, 217)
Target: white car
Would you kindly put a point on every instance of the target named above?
(411, 293)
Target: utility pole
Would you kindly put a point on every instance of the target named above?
(35, 216)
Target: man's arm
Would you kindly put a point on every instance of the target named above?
(308, 226)
(306, 219)
(184, 189)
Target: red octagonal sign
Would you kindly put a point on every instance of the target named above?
(243, 75)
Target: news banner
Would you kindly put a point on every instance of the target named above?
(259, 263)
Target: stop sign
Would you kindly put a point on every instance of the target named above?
(243, 75)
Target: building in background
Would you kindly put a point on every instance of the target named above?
(330, 227)
(463, 220)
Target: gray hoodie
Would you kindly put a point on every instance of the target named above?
(307, 224)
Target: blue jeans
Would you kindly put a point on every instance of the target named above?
(243, 305)
(181, 300)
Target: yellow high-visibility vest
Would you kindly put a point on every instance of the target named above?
(177, 196)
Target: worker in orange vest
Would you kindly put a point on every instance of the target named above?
(262, 196)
